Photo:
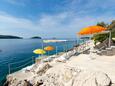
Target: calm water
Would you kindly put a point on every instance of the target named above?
(16, 50)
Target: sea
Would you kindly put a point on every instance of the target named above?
(18, 53)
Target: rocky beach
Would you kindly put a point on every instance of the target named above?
(78, 70)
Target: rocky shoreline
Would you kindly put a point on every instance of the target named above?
(65, 74)
(68, 69)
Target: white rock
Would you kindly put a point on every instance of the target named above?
(102, 79)
(113, 84)
(42, 68)
(87, 78)
(65, 76)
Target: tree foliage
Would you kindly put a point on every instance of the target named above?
(102, 37)
(102, 24)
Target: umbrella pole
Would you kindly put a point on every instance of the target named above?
(42, 47)
(42, 44)
(109, 39)
(63, 48)
(39, 55)
(76, 42)
(66, 48)
(90, 53)
(56, 50)
(48, 53)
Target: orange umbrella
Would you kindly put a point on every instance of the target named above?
(91, 30)
(49, 48)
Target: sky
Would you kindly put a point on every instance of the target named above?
(52, 18)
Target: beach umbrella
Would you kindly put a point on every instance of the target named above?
(39, 51)
(94, 29)
(91, 30)
(49, 48)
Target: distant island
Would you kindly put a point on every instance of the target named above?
(36, 37)
(9, 37)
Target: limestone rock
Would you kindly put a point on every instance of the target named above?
(74, 77)
(102, 79)
(113, 84)
(52, 79)
(65, 76)
(42, 68)
(89, 78)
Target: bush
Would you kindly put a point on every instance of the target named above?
(100, 37)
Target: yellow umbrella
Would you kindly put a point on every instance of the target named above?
(39, 51)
